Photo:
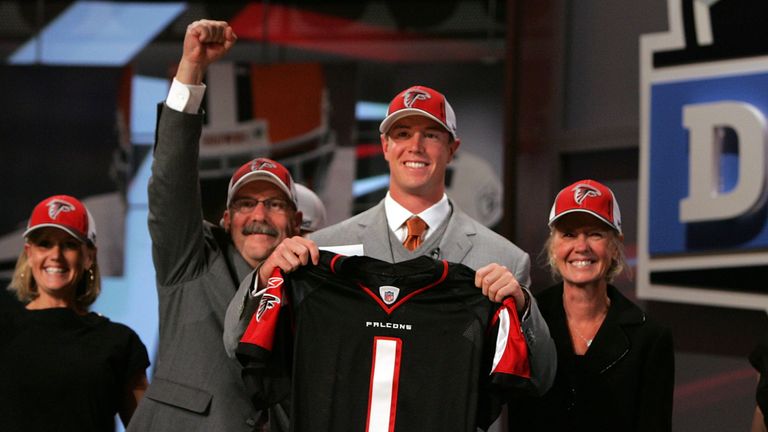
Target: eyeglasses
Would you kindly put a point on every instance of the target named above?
(271, 205)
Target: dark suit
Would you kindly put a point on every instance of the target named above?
(624, 382)
(195, 386)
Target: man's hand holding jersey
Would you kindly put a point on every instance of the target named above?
(496, 281)
(289, 255)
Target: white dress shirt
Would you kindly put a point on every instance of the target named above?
(433, 216)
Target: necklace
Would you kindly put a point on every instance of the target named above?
(581, 336)
(586, 340)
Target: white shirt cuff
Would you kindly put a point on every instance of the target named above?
(185, 97)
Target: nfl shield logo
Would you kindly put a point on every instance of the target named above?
(389, 293)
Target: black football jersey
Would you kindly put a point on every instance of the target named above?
(375, 346)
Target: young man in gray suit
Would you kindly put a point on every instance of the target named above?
(419, 139)
(199, 265)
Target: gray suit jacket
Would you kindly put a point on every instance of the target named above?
(195, 386)
(465, 241)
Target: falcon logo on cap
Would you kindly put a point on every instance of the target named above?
(582, 192)
(601, 203)
(411, 96)
(262, 164)
(55, 207)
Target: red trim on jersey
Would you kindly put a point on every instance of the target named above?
(514, 357)
(333, 263)
(390, 309)
(261, 328)
(396, 385)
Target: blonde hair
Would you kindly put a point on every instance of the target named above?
(87, 290)
(618, 263)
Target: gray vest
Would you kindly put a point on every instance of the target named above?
(429, 247)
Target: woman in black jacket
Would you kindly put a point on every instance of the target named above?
(615, 368)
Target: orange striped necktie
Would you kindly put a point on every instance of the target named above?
(416, 227)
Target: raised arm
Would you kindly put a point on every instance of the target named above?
(175, 209)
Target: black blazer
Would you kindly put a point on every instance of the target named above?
(624, 382)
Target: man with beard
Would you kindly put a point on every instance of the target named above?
(198, 265)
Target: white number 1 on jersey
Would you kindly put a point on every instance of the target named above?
(385, 377)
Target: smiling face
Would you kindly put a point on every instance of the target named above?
(582, 248)
(57, 261)
(418, 150)
(255, 229)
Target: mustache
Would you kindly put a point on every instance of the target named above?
(257, 227)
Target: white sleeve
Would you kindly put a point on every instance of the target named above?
(185, 97)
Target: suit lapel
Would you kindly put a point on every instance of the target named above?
(374, 233)
(611, 342)
(613, 345)
(456, 242)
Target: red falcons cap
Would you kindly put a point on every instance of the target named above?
(423, 101)
(266, 170)
(588, 196)
(66, 213)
